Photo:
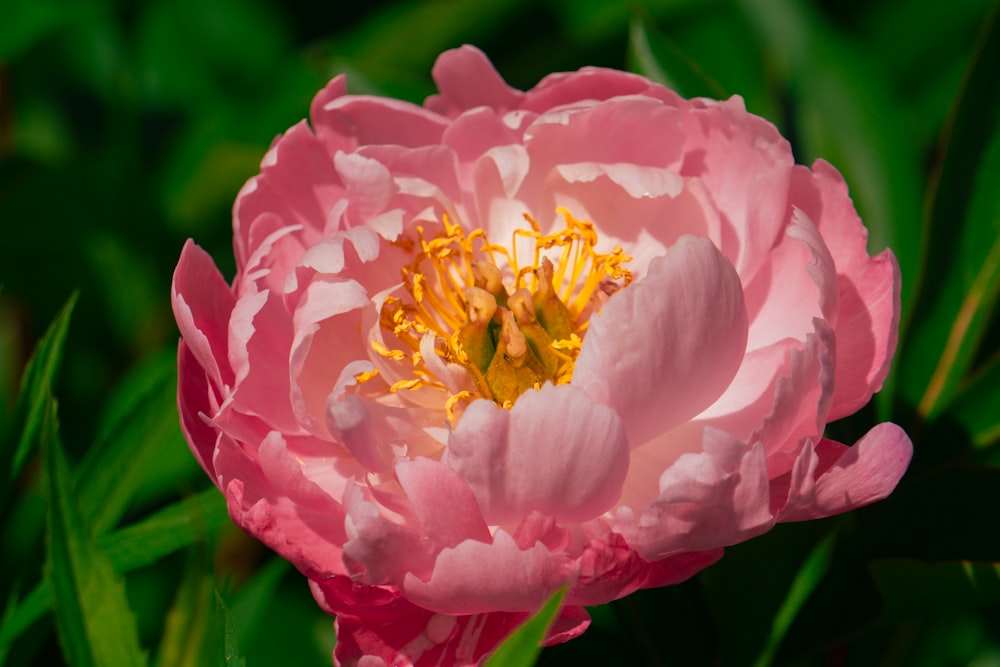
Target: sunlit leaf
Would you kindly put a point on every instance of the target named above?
(977, 405)
(191, 632)
(521, 648)
(963, 275)
(96, 626)
(231, 654)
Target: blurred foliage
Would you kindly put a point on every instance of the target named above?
(126, 127)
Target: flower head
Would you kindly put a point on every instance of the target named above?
(584, 335)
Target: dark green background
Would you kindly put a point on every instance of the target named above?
(127, 127)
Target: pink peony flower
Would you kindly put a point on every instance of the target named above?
(474, 351)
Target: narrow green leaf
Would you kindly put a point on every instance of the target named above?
(38, 378)
(231, 654)
(805, 581)
(18, 617)
(171, 529)
(190, 634)
(96, 627)
(977, 405)
(654, 56)
(140, 434)
(963, 279)
(521, 649)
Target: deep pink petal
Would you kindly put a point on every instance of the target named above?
(860, 475)
(665, 348)
(589, 83)
(507, 456)
(202, 303)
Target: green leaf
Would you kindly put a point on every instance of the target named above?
(190, 634)
(976, 406)
(804, 583)
(171, 529)
(139, 445)
(521, 648)
(963, 278)
(96, 627)
(231, 654)
(651, 54)
(36, 384)
(18, 617)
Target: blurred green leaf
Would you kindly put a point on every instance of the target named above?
(846, 113)
(962, 281)
(171, 529)
(29, 411)
(192, 632)
(656, 57)
(976, 406)
(24, 23)
(96, 626)
(521, 648)
(914, 589)
(232, 657)
(805, 581)
(138, 436)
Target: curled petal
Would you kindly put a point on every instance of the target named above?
(666, 348)
(507, 456)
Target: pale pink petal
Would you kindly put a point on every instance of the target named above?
(860, 475)
(507, 456)
(708, 500)
(665, 348)
(474, 577)
(796, 284)
(746, 165)
(466, 79)
(644, 210)
(868, 318)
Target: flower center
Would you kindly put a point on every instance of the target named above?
(512, 321)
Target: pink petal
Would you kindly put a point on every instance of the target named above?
(367, 120)
(645, 210)
(868, 319)
(746, 165)
(443, 503)
(299, 521)
(466, 78)
(260, 341)
(665, 348)
(508, 456)
(375, 625)
(796, 284)
(859, 475)
(202, 303)
(708, 500)
(589, 83)
(196, 398)
(474, 577)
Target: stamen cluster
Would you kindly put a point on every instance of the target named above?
(512, 323)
